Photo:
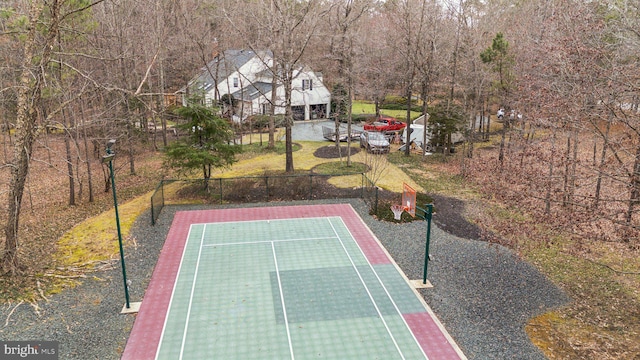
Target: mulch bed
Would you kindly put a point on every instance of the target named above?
(449, 216)
(331, 152)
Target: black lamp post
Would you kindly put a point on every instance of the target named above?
(108, 159)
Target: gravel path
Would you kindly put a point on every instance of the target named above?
(312, 130)
(483, 294)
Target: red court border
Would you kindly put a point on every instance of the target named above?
(147, 328)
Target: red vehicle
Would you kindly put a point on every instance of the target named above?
(386, 124)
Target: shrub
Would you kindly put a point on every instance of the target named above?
(394, 99)
(396, 106)
(258, 122)
(363, 118)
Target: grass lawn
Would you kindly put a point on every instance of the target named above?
(93, 241)
(366, 107)
(304, 159)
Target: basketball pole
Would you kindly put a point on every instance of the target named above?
(428, 212)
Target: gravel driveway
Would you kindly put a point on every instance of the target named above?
(312, 130)
(483, 293)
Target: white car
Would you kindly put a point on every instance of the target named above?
(374, 142)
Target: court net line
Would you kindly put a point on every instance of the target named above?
(270, 241)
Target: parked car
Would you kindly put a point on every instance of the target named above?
(374, 142)
(386, 124)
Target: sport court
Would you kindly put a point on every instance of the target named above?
(291, 282)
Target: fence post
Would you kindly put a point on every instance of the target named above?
(159, 190)
(376, 203)
(221, 193)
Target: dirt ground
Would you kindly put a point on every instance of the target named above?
(331, 152)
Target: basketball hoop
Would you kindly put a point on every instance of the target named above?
(397, 211)
(409, 199)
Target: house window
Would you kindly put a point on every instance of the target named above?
(235, 82)
(307, 84)
(266, 109)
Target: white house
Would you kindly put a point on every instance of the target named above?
(247, 77)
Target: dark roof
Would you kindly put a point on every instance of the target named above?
(222, 66)
(252, 91)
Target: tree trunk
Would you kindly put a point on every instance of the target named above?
(634, 197)
(67, 123)
(272, 111)
(547, 208)
(481, 124)
(66, 120)
(288, 120)
(86, 154)
(487, 127)
(573, 174)
(407, 148)
(502, 141)
(472, 133)
(28, 100)
(425, 114)
(603, 155)
(288, 149)
(130, 150)
(336, 126)
(567, 174)
(349, 112)
(408, 79)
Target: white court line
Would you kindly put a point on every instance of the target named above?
(284, 308)
(384, 287)
(262, 220)
(280, 285)
(175, 285)
(270, 241)
(367, 290)
(193, 287)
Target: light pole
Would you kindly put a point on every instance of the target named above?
(109, 159)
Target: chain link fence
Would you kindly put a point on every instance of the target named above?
(266, 188)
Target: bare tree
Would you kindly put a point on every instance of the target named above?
(345, 17)
(377, 66)
(35, 58)
(285, 28)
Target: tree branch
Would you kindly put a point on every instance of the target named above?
(80, 9)
(614, 270)
(146, 75)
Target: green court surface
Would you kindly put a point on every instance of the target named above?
(286, 288)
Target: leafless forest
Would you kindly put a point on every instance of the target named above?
(78, 72)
